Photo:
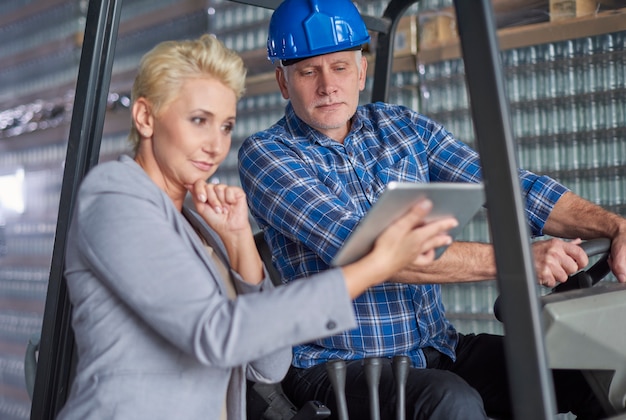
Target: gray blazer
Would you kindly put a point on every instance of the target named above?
(157, 337)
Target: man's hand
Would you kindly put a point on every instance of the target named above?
(575, 217)
(556, 260)
(617, 259)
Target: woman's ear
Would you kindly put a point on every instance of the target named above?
(142, 117)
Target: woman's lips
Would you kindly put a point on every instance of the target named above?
(203, 166)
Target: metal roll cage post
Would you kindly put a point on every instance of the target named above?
(56, 349)
(532, 391)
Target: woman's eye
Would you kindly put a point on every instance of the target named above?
(228, 128)
(198, 120)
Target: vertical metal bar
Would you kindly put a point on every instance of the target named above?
(384, 49)
(532, 390)
(94, 76)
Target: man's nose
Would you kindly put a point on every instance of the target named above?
(327, 83)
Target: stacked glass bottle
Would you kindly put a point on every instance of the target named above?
(568, 115)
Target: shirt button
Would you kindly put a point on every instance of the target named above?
(331, 325)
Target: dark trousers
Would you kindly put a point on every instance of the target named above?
(473, 387)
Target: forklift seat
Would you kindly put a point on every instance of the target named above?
(266, 256)
(268, 401)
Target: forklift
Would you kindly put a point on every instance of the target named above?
(532, 325)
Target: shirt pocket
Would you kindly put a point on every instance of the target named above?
(407, 169)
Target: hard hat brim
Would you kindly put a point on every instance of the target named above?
(292, 61)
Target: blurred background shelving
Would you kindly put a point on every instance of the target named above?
(566, 83)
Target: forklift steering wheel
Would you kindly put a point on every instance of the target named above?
(582, 279)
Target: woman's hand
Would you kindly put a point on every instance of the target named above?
(409, 240)
(225, 210)
(222, 206)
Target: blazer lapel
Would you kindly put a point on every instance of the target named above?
(196, 226)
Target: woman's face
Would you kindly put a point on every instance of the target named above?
(190, 136)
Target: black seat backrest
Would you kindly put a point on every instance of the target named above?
(266, 256)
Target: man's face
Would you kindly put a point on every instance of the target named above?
(324, 90)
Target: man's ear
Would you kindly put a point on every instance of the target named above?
(363, 73)
(282, 82)
(142, 117)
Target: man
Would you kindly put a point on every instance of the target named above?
(312, 176)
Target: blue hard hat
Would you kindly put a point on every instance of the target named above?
(305, 28)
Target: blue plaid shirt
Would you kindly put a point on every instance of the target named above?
(308, 193)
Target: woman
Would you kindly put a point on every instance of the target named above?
(172, 308)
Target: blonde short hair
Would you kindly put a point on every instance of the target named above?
(163, 70)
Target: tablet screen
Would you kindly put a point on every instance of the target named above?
(459, 199)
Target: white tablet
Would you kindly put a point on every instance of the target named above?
(459, 199)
